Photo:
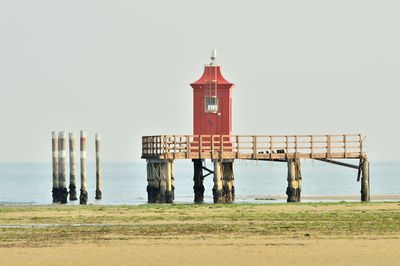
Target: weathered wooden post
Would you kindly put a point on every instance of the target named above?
(72, 167)
(62, 174)
(198, 179)
(365, 193)
(153, 185)
(162, 181)
(166, 181)
(223, 190)
(84, 195)
(227, 181)
(217, 189)
(98, 168)
(169, 177)
(160, 178)
(293, 190)
(54, 147)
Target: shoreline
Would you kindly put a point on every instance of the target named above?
(253, 199)
(334, 197)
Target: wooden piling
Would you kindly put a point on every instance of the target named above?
(169, 192)
(217, 189)
(223, 190)
(162, 182)
(54, 147)
(198, 179)
(62, 171)
(84, 195)
(293, 190)
(160, 178)
(153, 184)
(228, 188)
(172, 179)
(365, 192)
(72, 167)
(98, 168)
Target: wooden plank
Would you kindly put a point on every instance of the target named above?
(312, 146)
(200, 145)
(174, 146)
(212, 147)
(287, 144)
(221, 155)
(270, 147)
(237, 146)
(255, 147)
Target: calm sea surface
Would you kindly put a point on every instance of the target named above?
(125, 183)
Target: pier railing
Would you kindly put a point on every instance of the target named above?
(260, 147)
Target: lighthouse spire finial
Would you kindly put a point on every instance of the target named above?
(213, 56)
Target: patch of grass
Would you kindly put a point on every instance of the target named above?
(177, 221)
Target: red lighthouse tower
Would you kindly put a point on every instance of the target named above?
(212, 102)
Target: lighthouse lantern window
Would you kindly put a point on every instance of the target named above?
(211, 104)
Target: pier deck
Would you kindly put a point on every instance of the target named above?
(257, 147)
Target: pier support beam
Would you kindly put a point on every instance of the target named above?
(72, 167)
(227, 181)
(293, 190)
(62, 174)
(83, 197)
(217, 189)
(365, 193)
(160, 178)
(170, 182)
(198, 179)
(98, 168)
(153, 184)
(54, 146)
(223, 190)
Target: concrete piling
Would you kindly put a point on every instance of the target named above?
(198, 179)
(62, 171)
(293, 190)
(365, 192)
(98, 167)
(84, 195)
(54, 146)
(160, 178)
(72, 167)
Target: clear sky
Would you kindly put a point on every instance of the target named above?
(123, 68)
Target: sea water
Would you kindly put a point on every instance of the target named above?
(125, 183)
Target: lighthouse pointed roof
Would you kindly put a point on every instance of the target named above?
(212, 73)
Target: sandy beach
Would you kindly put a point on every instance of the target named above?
(273, 234)
(249, 251)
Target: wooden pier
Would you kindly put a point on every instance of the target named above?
(224, 149)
